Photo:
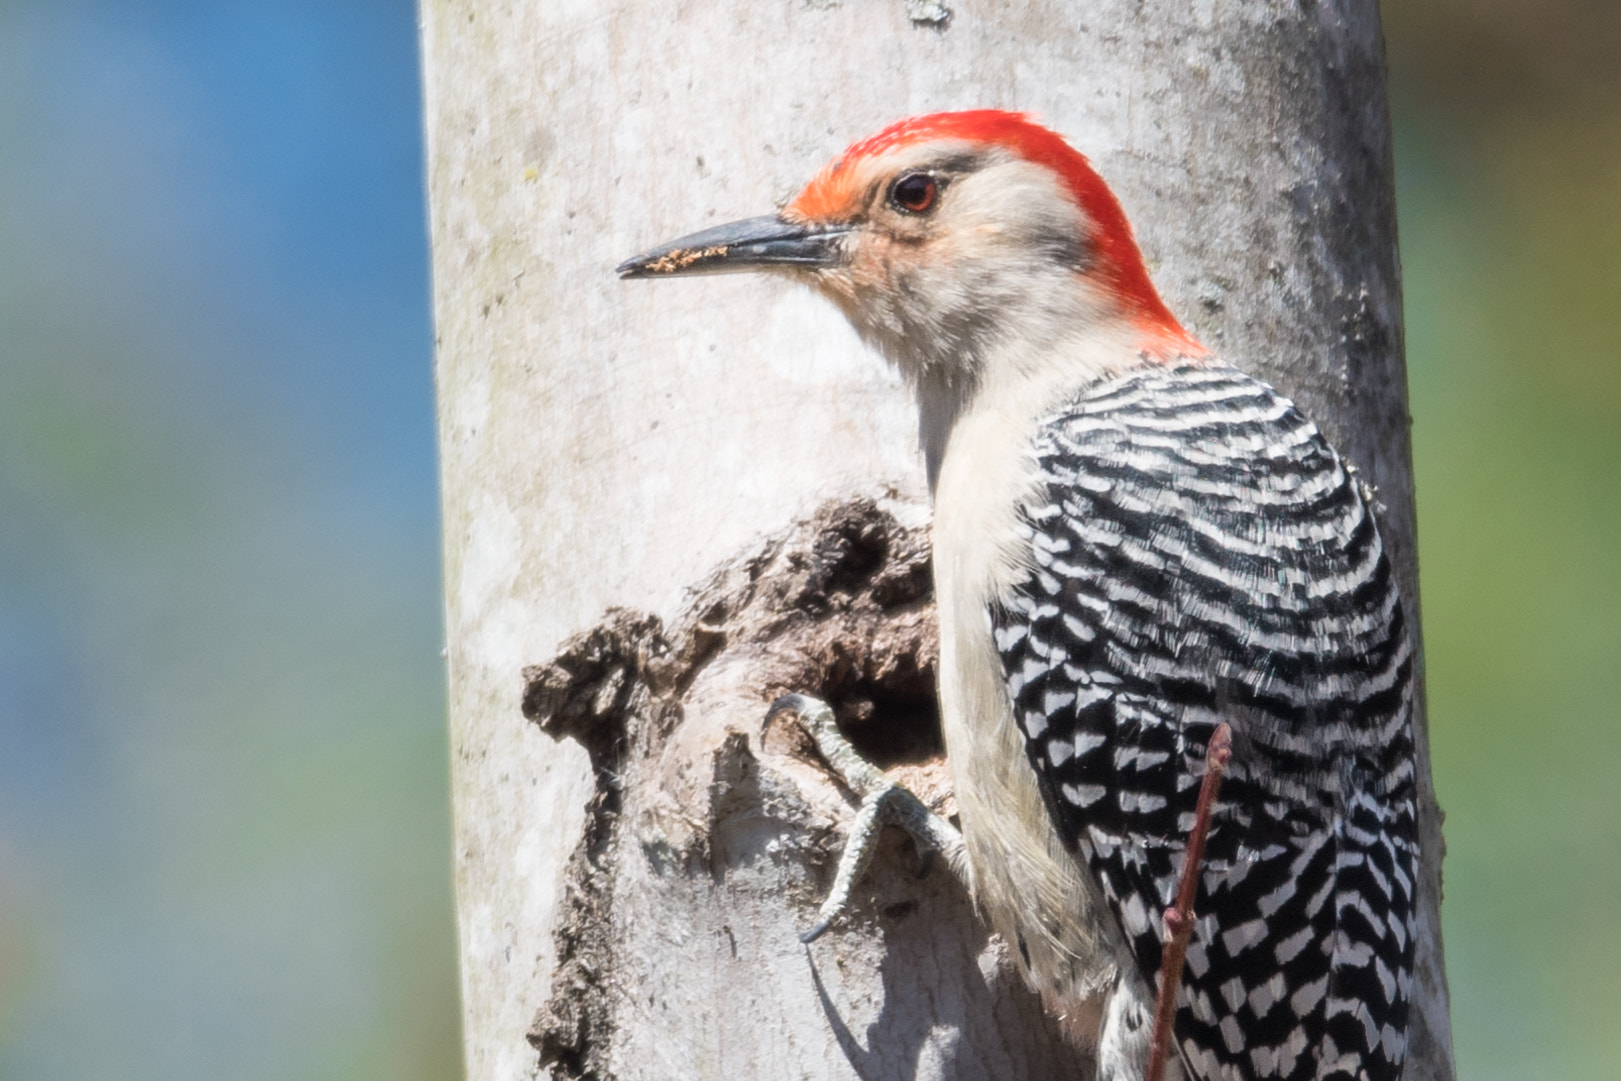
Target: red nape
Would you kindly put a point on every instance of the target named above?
(1119, 260)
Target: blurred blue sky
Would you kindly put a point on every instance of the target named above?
(223, 814)
(224, 830)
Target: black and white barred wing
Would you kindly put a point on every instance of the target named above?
(1201, 555)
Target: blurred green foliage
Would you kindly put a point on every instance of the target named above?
(1508, 121)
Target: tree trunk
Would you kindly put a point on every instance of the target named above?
(663, 505)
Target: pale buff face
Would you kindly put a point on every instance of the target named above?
(1000, 252)
(966, 259)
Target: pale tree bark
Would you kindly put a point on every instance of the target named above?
(669, 502)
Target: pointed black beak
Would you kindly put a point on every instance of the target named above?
(742, 245)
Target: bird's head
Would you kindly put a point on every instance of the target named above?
(951, 240)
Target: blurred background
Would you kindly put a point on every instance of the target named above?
(1508, 175)
(224, 835)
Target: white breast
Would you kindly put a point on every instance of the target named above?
(1030, 888)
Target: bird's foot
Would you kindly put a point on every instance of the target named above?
(883, 802)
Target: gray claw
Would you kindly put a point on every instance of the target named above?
(883, 802)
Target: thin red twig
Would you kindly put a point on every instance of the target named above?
(1179, 917)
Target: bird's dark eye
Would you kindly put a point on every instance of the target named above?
(915, 193)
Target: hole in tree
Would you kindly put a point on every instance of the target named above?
(891, 717)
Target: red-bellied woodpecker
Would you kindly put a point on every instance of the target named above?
(1133, 543)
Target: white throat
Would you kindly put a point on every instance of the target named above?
(1016, 384)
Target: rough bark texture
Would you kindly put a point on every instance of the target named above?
(608, 445)
(712, 838)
